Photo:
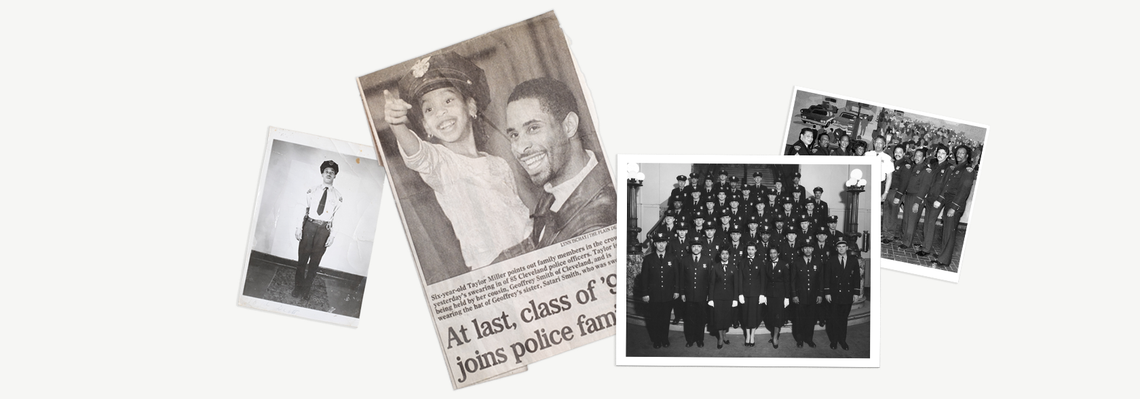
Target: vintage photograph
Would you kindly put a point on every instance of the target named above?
(314, 224)
(930, 165)
(745, 260)
(496, 165)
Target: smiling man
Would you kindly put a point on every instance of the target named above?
(542, 127)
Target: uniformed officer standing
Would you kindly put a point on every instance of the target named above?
(752, 280)
(724, 287)
(790, 246)
(958, 187)
(840, 287)
(682, 184)
(820, 204)
(805, 296)
(777, 289)
(694, 293)
(891, 207)
(315, 232)
(659, 277)
(679, 248)
(933, 206)
(918, 187)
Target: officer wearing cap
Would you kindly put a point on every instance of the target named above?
(679, 189)
(315, 232)
(698, 218)
(821, 241)
(811, 215)
(773, 202)
(734, 186)
(659, 272)
(758, 182)
(766, 241)
(761, 212)
(694, 184)
(694, 201)
(709, 190)
(805, 295)
(788, 209)
(805, 231)
(679, 241)
(820, 204)
(752, 223)
(711, 241)
(722, 181)
(780, 230)
(840, 287)
(747, 196)
(734, 243)
(795, 186)
(695, 293)
(734, 210)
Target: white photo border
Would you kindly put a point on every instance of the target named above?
(345, 148)
(622, 241)
(944, 275)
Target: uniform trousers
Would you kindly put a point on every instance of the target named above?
(803, 325)
(910, 218)
(890, 217)
(837, 323)
(657, 321)
(696, 313)
(678, 310)
(928, 226)
(314, 235)
(949, 235)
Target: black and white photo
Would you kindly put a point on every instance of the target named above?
(748, 260)
(315, 218)
(930, 165)
(503, 190)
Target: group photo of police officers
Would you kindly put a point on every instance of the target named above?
(929, 169)
(729, 255)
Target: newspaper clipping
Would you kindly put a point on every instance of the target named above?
(504, 192)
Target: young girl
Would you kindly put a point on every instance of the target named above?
(443, 95)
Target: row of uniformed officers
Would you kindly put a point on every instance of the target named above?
(750, 288)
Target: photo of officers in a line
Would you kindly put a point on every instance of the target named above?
(728, 257)
(929, 168)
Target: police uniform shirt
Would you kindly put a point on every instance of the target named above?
(333, 202)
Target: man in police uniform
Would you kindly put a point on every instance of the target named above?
(820, 204)
(315, 232)
(680, 188)
(959, 184)
(695, 293)
(840, 287)
(934, 207)
(659, 277)
(803, 145)
(805, 296)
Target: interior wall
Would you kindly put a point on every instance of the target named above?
(660, 179)
(293, 169)
(831, 179)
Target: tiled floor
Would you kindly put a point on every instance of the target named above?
(891, 251)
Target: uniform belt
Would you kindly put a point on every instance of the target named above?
(318, 222)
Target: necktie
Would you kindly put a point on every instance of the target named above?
(843, 261)
(321, 205)
(696, 258)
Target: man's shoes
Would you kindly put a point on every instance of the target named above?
(811, 344)
(688, 344)
(700, 344)
(834, 345)
(656, 345)
(887, 240)
(666, 344)
(901, 246)
(799, 344)
(844, 345)
(305, 296)
(295, 293)
(922, 253)
(676, 321)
